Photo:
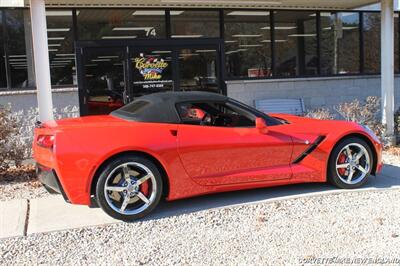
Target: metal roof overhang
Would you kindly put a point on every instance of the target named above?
(254, 4)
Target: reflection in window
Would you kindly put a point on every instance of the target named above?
(247, 43)
(61, 46)
(18, 29)
(105, 82)
(117, 24)
(194, 24)
(295, 43)
(340, 43)
(372, 42)
(198, 70)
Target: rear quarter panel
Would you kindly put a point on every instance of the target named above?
(80, 150)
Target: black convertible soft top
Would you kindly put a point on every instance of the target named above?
(161, 107)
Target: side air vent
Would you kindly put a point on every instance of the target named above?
(309, 150)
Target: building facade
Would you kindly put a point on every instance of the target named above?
(103, 57)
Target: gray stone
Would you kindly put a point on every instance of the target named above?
(13, 216)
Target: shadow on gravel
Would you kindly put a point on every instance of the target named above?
(389, 178)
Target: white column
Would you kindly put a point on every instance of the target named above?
(387, 66)
(41, 58)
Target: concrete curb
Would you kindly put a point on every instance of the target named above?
(13, 215)
(54, 214)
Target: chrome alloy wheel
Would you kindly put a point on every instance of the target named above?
(353, 163)
(130, 188)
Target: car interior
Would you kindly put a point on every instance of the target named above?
(215, 114)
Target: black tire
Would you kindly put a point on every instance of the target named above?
(103, 199)
(334, 175)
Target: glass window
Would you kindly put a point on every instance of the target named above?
(134, 107)
(194, 24)
(105, 82)
(247, 44)
(198, 69)
(61, 46)
(17, 30)
(3, 79)
(116, 24)
(340, 43)
(295, 43)
(215, 114)
(372, 42)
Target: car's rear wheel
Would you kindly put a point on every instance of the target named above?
(350, 163)
(129, 187)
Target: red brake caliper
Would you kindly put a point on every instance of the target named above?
(342, 160)
(144, 188)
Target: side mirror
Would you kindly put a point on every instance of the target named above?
(261, 125)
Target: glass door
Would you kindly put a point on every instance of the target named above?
(109, 77)
(104, 81)
(175, 68)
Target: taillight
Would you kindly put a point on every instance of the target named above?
(45, 141)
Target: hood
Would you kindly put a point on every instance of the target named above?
(322, 127)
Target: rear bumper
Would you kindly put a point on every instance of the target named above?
(50, 181)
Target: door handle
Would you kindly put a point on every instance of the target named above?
(174, 132)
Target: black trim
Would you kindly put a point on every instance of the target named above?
(272, 45)
(49, 179)
(318, 43)
(6, 50)
(75, 24)
(168, 23)
(361, 39)
(309, 150)
(398, 42)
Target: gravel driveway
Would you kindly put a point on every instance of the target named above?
(350, 225)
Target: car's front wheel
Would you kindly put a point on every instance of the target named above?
(350, 163)
(129, 187)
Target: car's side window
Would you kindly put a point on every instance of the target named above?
(215, 114)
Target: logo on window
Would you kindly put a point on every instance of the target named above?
(150, 68)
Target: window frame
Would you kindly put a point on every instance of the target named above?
(270, 121)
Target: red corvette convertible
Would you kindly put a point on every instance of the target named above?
(182, 144)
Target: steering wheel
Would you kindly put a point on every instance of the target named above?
(223, 121)
(207, 116)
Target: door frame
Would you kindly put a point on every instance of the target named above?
(130, 45)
